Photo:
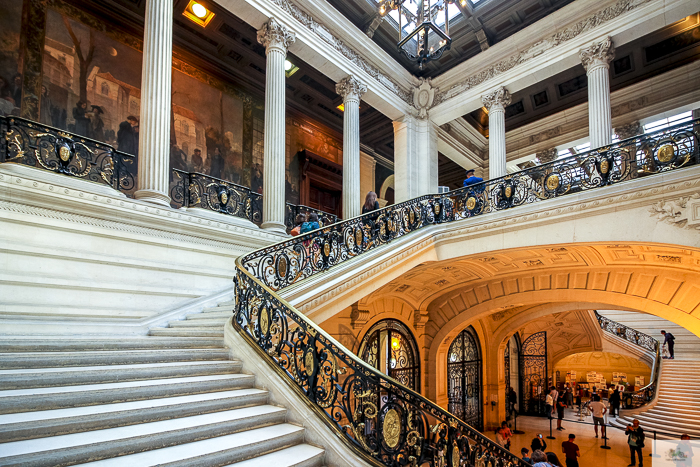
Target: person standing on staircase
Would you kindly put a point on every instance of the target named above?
(669, 341)
(635, 440)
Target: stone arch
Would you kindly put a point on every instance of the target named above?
(388, 183)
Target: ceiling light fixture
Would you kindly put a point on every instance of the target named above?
(424, 40)
(198, 13)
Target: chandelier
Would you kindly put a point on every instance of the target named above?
(424, 40)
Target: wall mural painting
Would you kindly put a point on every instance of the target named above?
(91, 85)
(10, 69)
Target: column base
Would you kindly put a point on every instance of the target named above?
(274, 227)
(153, 196)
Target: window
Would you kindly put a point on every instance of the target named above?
(667, 122)
(104, 89)
(185, 128)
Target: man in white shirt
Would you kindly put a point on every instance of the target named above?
(555, 395)
(598, 410)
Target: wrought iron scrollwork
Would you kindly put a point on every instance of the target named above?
(646, 394)
(44, 147)
(402, 427)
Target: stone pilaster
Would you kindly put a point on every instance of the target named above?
(415, 157)
(496, 102)
(156, 84)
(352, 91)
(548, 155)
(596, 60)
(276, 38)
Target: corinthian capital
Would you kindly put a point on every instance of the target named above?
(274, 35)
(598, 54)
(497, 99)
(350, 88)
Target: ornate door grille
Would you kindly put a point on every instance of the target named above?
(533, 374)
(464, 379)
(390, 347)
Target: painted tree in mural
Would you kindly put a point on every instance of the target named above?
(84, 59)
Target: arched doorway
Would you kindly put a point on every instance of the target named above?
(533, 374)
(511, 364)
(464, 378)
(390, 347)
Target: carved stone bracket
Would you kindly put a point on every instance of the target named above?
(683, 212)
(358, 316)
(598, 54)
(423, 97)
(274, 35)
(420, 319)
(351, 89)
(548, 155)
(497, 99)
(629, 130)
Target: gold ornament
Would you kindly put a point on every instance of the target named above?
(411, 216)
(264, 321)
(391, 428)
(604, 166)
(309, 362)
(666, 153)
(282, 266)
(437, 209)
(224, 197)
(455, 456)
(471, 203)
(64, 153)
(552, 182)
(509, 191)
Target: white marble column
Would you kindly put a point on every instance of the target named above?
(415, 157)
(596, 60)
(276, 38)
(496, 102)
(352, 91)
(156, 83)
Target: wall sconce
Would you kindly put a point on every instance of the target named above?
(198, 13)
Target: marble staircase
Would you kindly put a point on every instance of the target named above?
(677, 407)
(172, 398)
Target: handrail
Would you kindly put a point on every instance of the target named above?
(292, 210)
(386, 422)
(48, 148)
(646, 394)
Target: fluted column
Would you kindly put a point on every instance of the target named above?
(352, 91)
(276, 38)
(496, 102)
(596, 60)
(156, 83)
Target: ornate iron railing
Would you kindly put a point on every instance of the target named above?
(37, 145)
(635, 399)
(293, 210)
(197, 190)
(406, 428)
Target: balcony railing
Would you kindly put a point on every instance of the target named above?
(293, 210)
(37, 145)
(406, 428)
(636, 399)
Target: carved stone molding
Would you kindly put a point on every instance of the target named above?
(496, 100)
(548, 155)
(598, 54)
(420, 319)
(629, 130)
(538, 48)
(275, 35)
(682, 212)
(358, 316)
(351, 89)
(423, 97)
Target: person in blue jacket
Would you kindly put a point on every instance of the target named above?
(311, 224)
(471, 179)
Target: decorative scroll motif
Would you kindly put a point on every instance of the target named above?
(464, 379)
(196, 190)
(496, 100)
(342, 386)
(423, 97)
(341, 47)
(533, 374)
(293, 210)
(350, 89)
(538, 48)
(681, 212)
(630, 130)
(548, 155)
(44, 147)
(275, 35)
(647, 393)
(598, 54)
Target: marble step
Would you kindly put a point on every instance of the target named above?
(106, 357)
(58, 397)
(215, 451)
(202, 323)
(302, 455)
(61, 344)
(38, 424)
(106, 443)
(223, 315)
(199, 332)
(221, 306)
(46, 377)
